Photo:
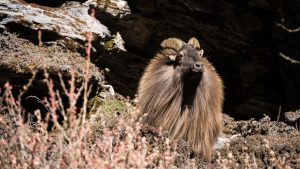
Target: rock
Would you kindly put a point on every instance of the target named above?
(223, 140)
(117, 8)
(71, 20)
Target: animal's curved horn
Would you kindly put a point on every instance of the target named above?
(194, 42)
(173, 43)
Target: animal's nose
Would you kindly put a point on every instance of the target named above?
(198, 66)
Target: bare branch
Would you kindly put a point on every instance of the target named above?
(287, 29)
(63, 84)
(26, 87)
(53, 117)
(289, 59)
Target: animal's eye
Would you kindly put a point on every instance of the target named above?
(179, 55)
(179, 58)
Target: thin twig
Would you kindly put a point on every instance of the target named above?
(22, 147)
(279, 112)
(40, 38)
(26, 87)
(53, 117)
(287, 29)
(63, 84)
(87, 71)
(289, 59)
(79, 92)
(60, 102)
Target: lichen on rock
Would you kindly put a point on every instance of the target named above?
(71, 20)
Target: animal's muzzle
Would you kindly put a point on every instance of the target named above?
(198, 67)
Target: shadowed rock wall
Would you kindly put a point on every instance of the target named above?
(241, 38)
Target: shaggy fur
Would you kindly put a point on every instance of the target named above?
(188, 108)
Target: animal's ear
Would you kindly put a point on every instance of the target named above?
(200, 53)
(172, 57)
(194, 42)
(172, 43)
(176, 58)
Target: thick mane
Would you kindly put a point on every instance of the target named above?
(161, 99)
(162, 92)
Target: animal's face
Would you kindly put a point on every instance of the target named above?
(189, 59)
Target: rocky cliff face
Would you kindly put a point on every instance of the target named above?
(242, 40)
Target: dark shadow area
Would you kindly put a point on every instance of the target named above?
(239, 38)
(50, 36)
(34, 97)
(31, 34)
(190, 85)
(124, 70)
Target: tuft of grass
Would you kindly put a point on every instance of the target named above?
(114, 105)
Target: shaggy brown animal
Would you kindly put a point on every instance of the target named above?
(181, 92)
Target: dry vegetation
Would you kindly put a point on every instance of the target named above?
(75, 143)
(108, 136)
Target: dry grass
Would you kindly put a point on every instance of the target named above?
(111, 138)
(98, 143)
(77, 141)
